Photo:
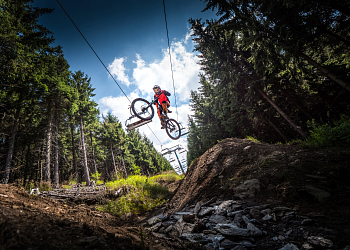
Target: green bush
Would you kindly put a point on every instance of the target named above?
(145, 193)
(95, 177)
(170, 177)
(326, 135)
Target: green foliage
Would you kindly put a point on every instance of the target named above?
(72, 181)
(137, 170)
(326, 135)
(261, 76)
(252, 139)
(169, 176)
(144, 194)
(95, 177)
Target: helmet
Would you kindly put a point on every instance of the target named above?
(156, 86)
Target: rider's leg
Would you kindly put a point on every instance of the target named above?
(168, 105)
(160, 114)
(165, 107)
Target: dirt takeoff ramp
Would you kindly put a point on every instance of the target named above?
(283, 172)
(205, 173)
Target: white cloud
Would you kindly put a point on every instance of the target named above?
(188, 36)
(185, 69)
(118, 69)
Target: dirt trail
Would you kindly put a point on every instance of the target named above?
(41, 223)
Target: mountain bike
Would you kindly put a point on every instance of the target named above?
(144, 110)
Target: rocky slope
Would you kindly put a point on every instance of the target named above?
(246, 195)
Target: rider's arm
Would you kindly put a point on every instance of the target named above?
(167, 93)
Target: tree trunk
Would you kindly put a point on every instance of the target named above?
(121, 155)
(85, 166)
(93, 153)
(38, 163)
(283, 114)
(26, 169)
(11, 148)
(325, 72)
(278, 131)
(75, 165)
(115, 168)
(291, 99)
(48, 149)
(106, 168)
(55, 171)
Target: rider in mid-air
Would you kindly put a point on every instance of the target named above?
(162, 103)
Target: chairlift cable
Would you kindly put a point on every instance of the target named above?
(171, 65)
(92, 49)
(103, 63)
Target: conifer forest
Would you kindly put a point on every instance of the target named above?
(51, 128)
(272, 70)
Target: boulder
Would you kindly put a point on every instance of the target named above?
(247, 189)
(189, 217)
(289, 246)
(319, 194)
(227, 244)
(156, 227)
(160, 235)
(232, 230)
(254, 230)
(231, 214)
(224, 206)
(218, 219)
(195, 238)
(205, 211)
(319, 241)
(307, 246)
(197, 208)
(155, 219)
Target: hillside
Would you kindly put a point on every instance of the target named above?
(291, 194)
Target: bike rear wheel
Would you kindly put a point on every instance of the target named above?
(173, 129)
(142, 109)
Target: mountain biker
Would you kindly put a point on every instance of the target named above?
(162, 103)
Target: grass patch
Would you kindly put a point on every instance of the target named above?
(330, 135)
(43, 186)
(250, 138)
(72, 182)
(144, 193)
(169, 176)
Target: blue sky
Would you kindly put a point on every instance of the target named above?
(130, 38)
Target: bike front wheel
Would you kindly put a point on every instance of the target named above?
(173, 129)
(142, 109)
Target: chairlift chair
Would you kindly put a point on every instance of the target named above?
(131, 126)
(183, 130)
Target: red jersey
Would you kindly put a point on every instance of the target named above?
(162, 97)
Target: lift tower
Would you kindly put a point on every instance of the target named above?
(174, 150)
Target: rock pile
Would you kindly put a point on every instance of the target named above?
(232, 224)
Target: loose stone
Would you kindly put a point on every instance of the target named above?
(320, 241)
(289, 246)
